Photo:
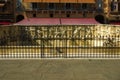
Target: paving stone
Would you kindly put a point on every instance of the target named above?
(63, 69)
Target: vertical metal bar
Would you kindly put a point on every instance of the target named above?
(84, 26)
(47, 40)
(42, 43)
(56, 50)
(66, 41)
(72, 40)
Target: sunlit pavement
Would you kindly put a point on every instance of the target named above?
(60, 69)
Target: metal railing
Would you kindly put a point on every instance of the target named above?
(60, 41)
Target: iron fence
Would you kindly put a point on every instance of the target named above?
(60, 41)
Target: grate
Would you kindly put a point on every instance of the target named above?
(60, 41)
